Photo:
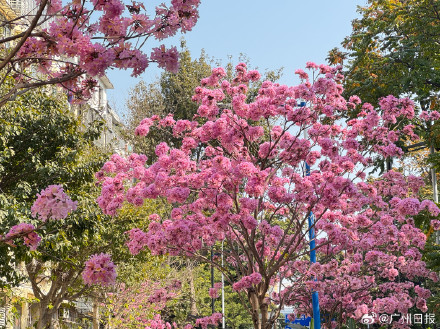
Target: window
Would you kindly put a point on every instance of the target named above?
(99, 97)
(15, 5)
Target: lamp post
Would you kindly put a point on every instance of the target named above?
(311, 220)
(223, 295)
(212, 279)
(315, 300)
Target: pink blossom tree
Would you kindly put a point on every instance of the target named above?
(375, 266)
(238, 186)
(69, 43)
(138, 305)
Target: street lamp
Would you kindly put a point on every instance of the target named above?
(212, 279)
(315, 300)
(311, 220)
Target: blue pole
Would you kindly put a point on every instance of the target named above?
(315, 300)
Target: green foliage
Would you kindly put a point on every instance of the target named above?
(393, 50)
(41, 143)
(132, 269)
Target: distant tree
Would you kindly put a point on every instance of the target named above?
(392, 50)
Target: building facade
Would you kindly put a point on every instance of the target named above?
(98, 108)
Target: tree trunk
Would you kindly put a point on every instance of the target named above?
(44, 316)
(192, 297)
(24, 314)
(55, 321)
(95, 314)
(254, 300)
(260, 310)
(264, 311)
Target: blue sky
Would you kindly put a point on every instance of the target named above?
(273, 34)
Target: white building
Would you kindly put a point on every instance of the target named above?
(98, 108)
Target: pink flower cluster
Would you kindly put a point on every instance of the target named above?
(430, 116)
(129, 303)
(26, 231)
(213, 292)
(409, 206)
(99, 269)
(166, 58)
(361, 310)
(160, 296)
(435, 224)
(213, 80)
(247, 281)
(53, 203)
(137, 240)
(158, 323)
(213, 319)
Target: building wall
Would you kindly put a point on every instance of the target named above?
(14, 8)
(98, 108)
